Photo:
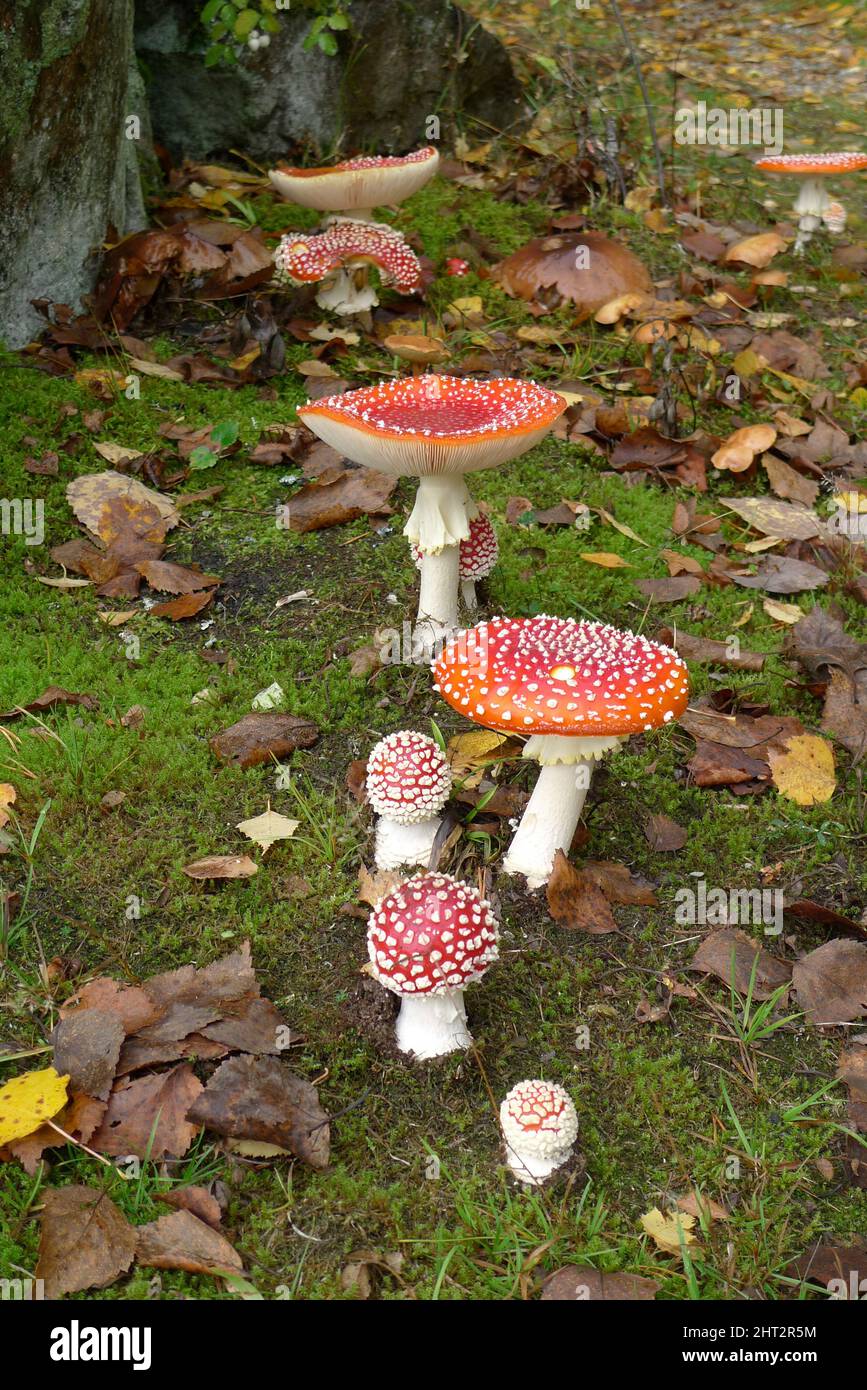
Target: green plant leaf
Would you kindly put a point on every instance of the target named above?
(328, 43)
(211, 10)
(338, 21)
(245, 23)
(202, 457)
(225, 433)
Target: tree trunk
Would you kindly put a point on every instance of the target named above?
(68, 167)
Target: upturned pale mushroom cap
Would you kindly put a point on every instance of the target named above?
(408, 777)
(561, 676)
(368, 181)
(430, 424)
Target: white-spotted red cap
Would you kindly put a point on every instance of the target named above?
(368, 181)
(431, 934)
(408, 777)
(538, 1119)
(431, 424)
(561, 676)
(304, 260)
(478, 553)
(814, 165)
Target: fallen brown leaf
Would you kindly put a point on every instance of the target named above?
(85, 1241)
(831, 982)
(731, 955)
(575, 901)
(181, 1241)
(263, 737)
(261, 1099)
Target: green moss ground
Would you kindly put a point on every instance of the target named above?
(654, 1117)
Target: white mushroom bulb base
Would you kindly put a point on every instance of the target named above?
(348, 292)
(539, 1126)
(432, 1025)
(427, 940)
(555, 807)
(408, 783)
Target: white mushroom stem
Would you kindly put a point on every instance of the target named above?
(553, 811)
(430, 1025)
(532, 1169)
(397, 845)
(347, 291)
(811, 202)
(438, 523)
(442, 513)
(468, 594)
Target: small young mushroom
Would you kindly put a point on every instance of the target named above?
(339, 260)
(813, 200)
(408, 783)
(417, 349)
(577, 689)
(357, 186)
(427, 940)
(539, 1127)
(436, 428)
(478, 556)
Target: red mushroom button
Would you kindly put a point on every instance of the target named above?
(408, 783)
(427, 940)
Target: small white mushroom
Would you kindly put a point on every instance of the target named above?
(539, 1125)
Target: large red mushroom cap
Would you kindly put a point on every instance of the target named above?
(478, 553)
(431, 934)
(431, 424)
(309, 259)
(812, 166)
(408, 777)
(561, 676)
(361, 183)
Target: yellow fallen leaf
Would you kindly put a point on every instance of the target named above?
(782, 612)
(618, 525)
(266, 829)
(670, 1233)
(469, 750)
(605, 558)
(112, 618)
(757, 251)
(115, 453)
(749, 363)
(27, 1101)
(804, 772)
(617, 308)
(8, 795)
(158, 369)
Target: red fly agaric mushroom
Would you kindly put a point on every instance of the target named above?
(357, 186)
(478, 556)
(813, 200)
(539, 1127)
(339, 258)
(577, 689)
(584, 268)
(428, 939)
(408, 783)
(436, 429)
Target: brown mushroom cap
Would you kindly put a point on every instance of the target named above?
(415, 347)
(547, 269)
